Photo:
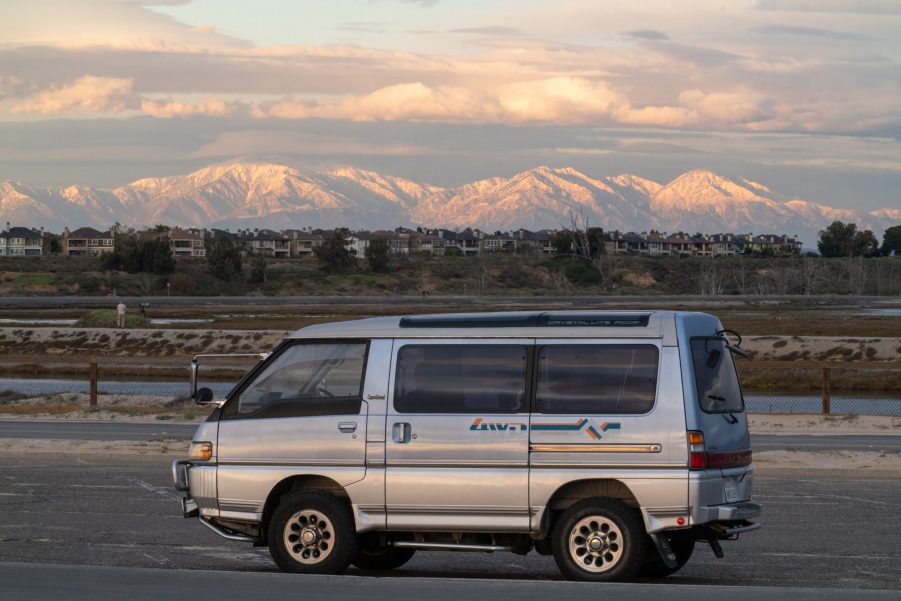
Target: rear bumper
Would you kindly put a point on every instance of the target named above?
(731, 512)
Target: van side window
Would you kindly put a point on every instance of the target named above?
(306, 380)
(591, 379)
(461, 379)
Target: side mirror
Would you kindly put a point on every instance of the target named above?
(204, 396)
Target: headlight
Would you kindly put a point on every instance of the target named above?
(201, 451)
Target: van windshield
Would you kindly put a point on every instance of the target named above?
(719, 390)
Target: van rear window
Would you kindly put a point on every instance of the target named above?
(719, 390)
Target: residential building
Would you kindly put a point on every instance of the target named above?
(21, 242)
(267, 243)
(187, 243)
(87, 242)
(302, 243)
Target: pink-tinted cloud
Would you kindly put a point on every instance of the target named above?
(169, 109)
(96, 94)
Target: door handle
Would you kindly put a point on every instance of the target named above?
(347, 427)
(400, 432)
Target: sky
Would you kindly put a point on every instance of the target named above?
(801, 95)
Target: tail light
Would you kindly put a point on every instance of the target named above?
(729, 459)
(697, 456)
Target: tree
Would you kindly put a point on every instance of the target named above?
(891, 241)
(135, 255)
(333, 254)
(562, 242)
(224, 259)
(377, 254)
(844, 240)
(258, 271)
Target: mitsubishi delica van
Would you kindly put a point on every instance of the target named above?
(614, 442)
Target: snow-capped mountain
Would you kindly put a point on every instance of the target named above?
(273, 195)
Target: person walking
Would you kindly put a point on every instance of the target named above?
(120, 315)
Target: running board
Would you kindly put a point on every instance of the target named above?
(450, 546)
(225, 533)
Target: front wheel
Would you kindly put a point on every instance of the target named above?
(312, 533)
(599, 540)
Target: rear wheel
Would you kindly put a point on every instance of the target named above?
(655, 568)
(599, 540)
(312, 533)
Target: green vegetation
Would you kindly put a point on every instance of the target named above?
(33, 279)
(224, 259)
(891, 241)
(137, 255)
(844, 240)
(332, 254)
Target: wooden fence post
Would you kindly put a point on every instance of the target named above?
(827, 401)
(92, 374)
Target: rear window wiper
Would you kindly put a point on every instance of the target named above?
(718, 399)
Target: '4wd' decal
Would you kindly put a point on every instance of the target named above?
(581, 424)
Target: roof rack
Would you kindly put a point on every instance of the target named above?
(527, 320)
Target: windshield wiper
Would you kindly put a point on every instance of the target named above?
(731, 419)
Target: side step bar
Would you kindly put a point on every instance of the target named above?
(450, 546)
(225, 533)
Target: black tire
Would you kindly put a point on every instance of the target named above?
(599, 540)
(328, 524)
(382, 558)
(655, 568)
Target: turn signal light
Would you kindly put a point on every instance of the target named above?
(201, 451)
(696, 454)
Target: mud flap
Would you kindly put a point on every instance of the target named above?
(665, 551)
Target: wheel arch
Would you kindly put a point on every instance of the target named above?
(573, 492)
(296, 484)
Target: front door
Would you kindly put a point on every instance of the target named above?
(457, 440)
(303, 413)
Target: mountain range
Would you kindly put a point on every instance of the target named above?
(240, 194)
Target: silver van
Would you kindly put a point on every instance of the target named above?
(612, 441)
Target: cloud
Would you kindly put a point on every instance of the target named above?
(647, 34)
(876, 7)
(210, 107)
(559, 100)
(806, 31)
(402, 102)
(498, 30)
(97, 94)
(735, 107)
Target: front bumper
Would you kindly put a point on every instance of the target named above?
(198, 481)
(180, 475)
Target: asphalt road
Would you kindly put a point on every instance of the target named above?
(36, 302)
(26, 582)
(823, 532)
(69, 430)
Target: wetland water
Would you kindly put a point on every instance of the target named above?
(15, 388)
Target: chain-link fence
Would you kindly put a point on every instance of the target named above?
(130, 388)
(843, 389)
(156, 388)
